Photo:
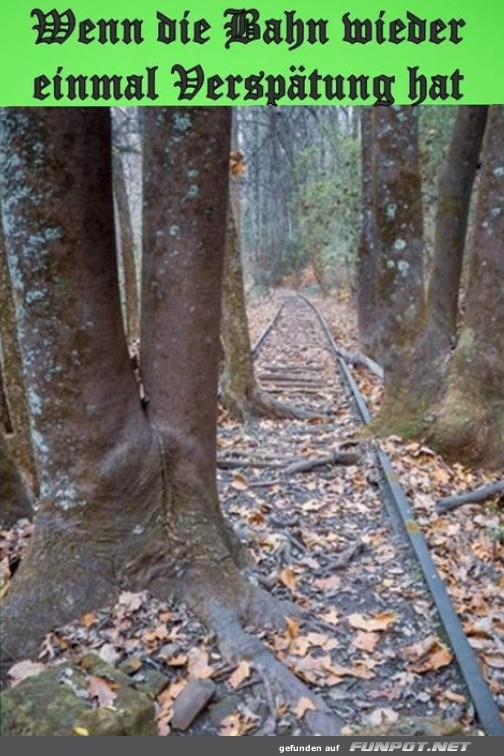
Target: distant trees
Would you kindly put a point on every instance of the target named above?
(300, 195)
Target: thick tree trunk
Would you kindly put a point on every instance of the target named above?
(20, 442)
(470, 424)
(84, 410)
(398, 229)
(454, 196)
(127, 250)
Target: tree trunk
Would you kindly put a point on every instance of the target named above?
(470, 424)
(398, 230)
(20, 444)
(90, 435)
(454, 196)
(127, 250)
(238, 383)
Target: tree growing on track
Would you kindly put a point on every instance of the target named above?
(128, 497)
(413, 327)
(469, 423)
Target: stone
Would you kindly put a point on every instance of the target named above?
(190, 702)
(56, 702)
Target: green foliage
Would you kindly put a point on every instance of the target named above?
(327, 205)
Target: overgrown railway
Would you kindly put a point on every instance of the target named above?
(344, 543)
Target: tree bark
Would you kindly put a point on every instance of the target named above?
(20, 441)
(398, 231)
(454, 196)
(127, 250)
(469, 426)
(239, 386)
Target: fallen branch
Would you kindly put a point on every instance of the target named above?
(236, 464)
(291, 467)
(477, 496)
(334, 458)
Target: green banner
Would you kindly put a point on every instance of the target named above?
(307, 52)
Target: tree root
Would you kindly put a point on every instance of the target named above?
(236, 645)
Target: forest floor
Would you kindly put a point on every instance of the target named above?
(370, 642)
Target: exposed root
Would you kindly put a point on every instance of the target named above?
(226, 603)
(282, 684)
(261, 405)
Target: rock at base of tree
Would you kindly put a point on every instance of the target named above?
(62, 700)
(191, 701)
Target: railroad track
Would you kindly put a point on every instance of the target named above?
(313, 368)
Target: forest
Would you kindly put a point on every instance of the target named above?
(252, 420)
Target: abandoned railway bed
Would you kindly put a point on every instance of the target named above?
(345, 543)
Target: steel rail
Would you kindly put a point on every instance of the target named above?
(260, 341)
(402, 515)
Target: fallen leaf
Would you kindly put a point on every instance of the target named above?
(380, 621)
(292, 626)
(240, 674)
(239, 482)
(197, 664)
(303, 705)
(104, 691)
(381, 716)
(366, 641)
(235, 725)
(288, 578)
(495, 660)
(160, 633)
(80, 731)
(24, 669)
(88, 619)
(332, 617)
(328, 583)
(131, 601)
(427, 655)
(449, 695)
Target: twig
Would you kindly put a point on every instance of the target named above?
(343, 560)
